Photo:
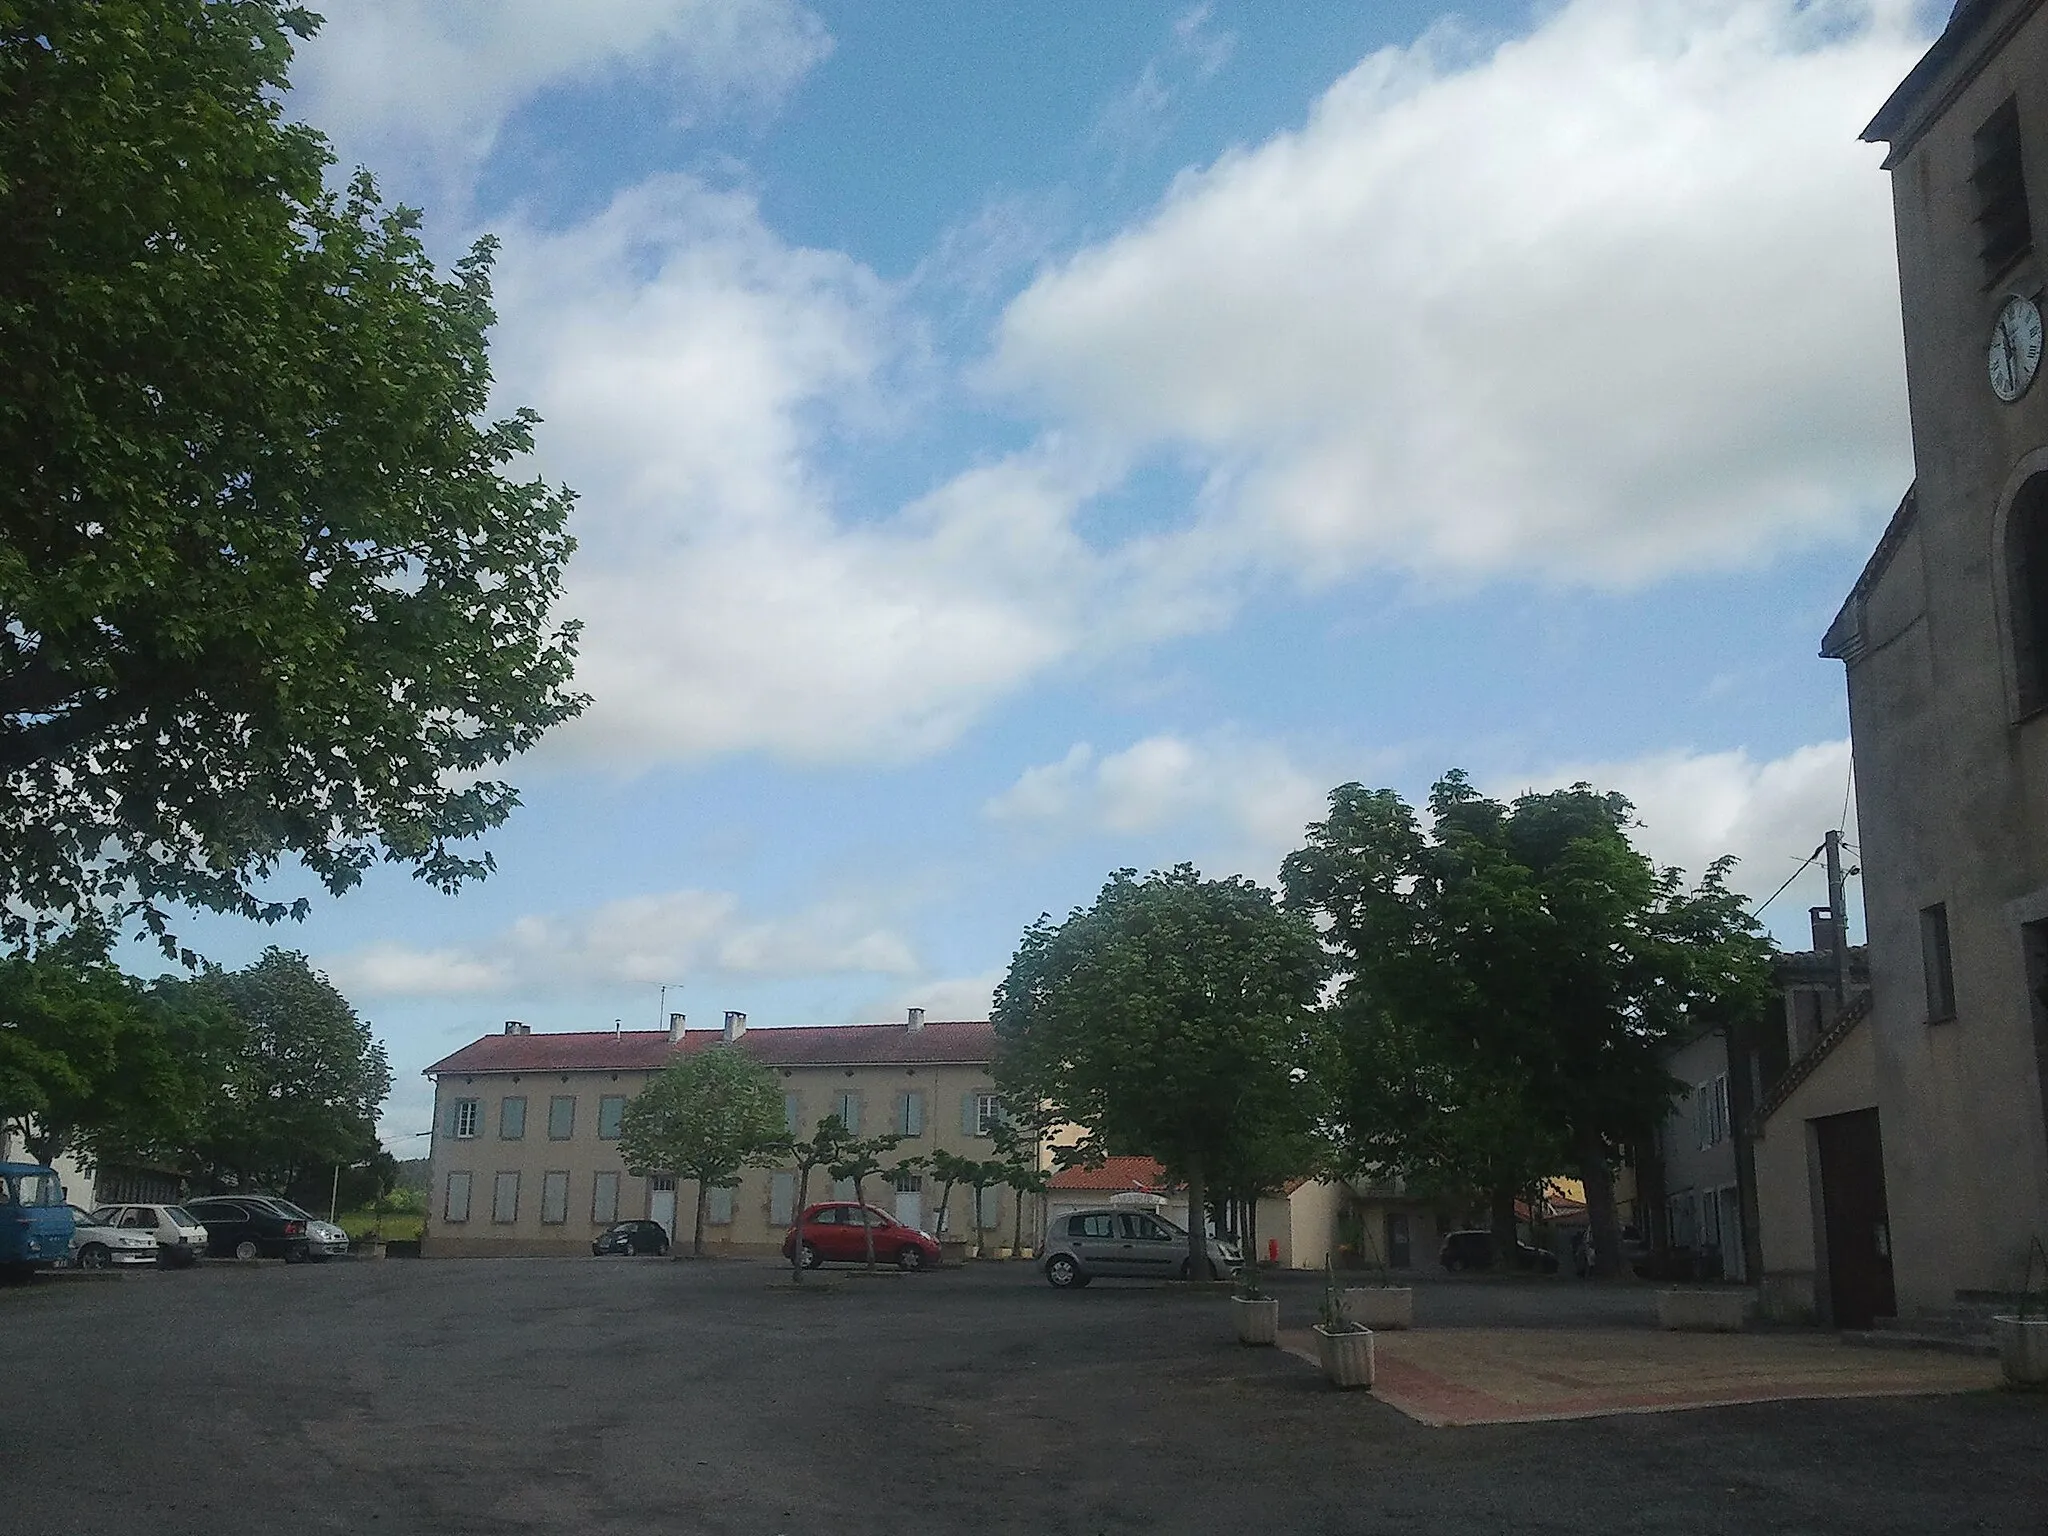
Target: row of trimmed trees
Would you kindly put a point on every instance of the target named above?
(707, 1116)
(1474, 1005)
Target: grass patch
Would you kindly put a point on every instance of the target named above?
(394, 1225)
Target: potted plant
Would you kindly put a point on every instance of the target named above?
(1381, 1303)
(1257, 1314)
(2023, 1337)
(1344, 1347)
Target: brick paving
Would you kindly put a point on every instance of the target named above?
(1470, 1376)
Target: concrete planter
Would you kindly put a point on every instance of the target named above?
(1346, 1357)
(952, 1251)
(2022, 1349)
(1703, 1311)
(1378, 1306)
(1258, 1322)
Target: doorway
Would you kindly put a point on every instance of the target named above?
(910, 1201)
(661, 1204)
(1856, 1224)
(1399, 1253)
(2034, 945)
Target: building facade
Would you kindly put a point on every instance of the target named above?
(525, 1154)
(1945, 642)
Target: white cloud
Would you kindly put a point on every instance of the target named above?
(691, 368)
(429, 83)
(1695, 807)
(952, 997)
(667, 937)
(1607, 301)
(1241, 804)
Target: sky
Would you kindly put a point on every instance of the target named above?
(1016, 443)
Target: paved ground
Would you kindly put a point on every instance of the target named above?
(616, 1395)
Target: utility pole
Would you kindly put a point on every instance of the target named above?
(1838, 917)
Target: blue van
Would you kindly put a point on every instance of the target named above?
(35, 1223)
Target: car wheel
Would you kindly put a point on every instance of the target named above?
(246, 1249)
(1062, 1273)
(94, 1256)
(908, 1257)
(811, 1257)
(661, 1249)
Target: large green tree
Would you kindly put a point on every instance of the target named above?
(1520, 971)
(1156, 1018)
(87, 1064)
(705, 1117)
(290, 1077)
(267, 589)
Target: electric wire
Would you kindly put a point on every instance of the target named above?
(1757, 910)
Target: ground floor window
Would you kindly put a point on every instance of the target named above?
(781, 1199)
(554, 1197)
(505, 1198)
(989, 1209)
(455, 1205)
(604, 1199)
(718, 1207)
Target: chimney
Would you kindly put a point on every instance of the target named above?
(1823, 921)
(514, 1027)
(916, 1020)
(675, 1028)
(735, 1025)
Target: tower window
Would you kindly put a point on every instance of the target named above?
(2005, 231)
(2026, 555)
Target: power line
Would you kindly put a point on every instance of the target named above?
(1757, 910)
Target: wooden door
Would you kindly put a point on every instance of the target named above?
(1858, 1227)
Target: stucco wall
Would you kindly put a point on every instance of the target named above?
(1787, 1187)
(1949, 785)
(585, 1154)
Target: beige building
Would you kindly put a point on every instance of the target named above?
(1945, 639)
(525, 1156)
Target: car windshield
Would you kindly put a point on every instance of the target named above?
(40, 1189)
(182, 1217)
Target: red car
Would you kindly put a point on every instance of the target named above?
(834, 1233)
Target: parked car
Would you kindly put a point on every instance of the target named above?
(835, 1232)
(35, 1223)
(1474, 1250)
(97, 1244)
(1086, 1244)
(630, 1237)
(324, 1240)
(250, 1226)
(180, 1239)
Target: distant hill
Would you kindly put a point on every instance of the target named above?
(412, 1174)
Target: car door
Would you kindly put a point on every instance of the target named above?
(1096, 1244)
(1152, 1248)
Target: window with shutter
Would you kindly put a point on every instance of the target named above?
(604, 1199)
(842, 1189)
(554, 1197)
(611, 1116)
(991, 1209)
(718, 1207)
(505, 1198)
(793, 1113)
(781, 1199)
(562, 1117)
(463, 1116)
(512, 1119)
(456, 1205)
(847, 1107)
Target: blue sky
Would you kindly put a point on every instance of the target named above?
(1019, 442)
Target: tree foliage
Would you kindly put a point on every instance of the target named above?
(266, 588)
(825, 1145)
(1157, 1018)
(1511, 981)
(704, 1117)
(289, 1078)
(859, 1158)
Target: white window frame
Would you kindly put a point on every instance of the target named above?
(449, 1205)
(554, 1197)
(988, 1110)
(468, 1114)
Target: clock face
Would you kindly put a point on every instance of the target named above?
(2015, 353)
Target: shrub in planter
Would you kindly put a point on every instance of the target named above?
(1257, 1314)
(1345, 1348)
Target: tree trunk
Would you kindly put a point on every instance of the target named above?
(1505, 1238)
(1198, 1217)
(945, 1207)
(867, 1228)
(1251, 1246)
(697, 1238)
(1603, 1231)
(796, 1249)
(1017, 1227)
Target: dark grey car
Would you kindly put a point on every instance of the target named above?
(1138, 1244)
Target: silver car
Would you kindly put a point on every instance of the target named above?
(1085, 1244)
(324, 1240)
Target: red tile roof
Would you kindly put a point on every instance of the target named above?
(1116, 1173)
(961, 1043)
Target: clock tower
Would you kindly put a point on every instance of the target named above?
(1945, 642)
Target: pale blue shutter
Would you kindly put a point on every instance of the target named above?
(967, 1125)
